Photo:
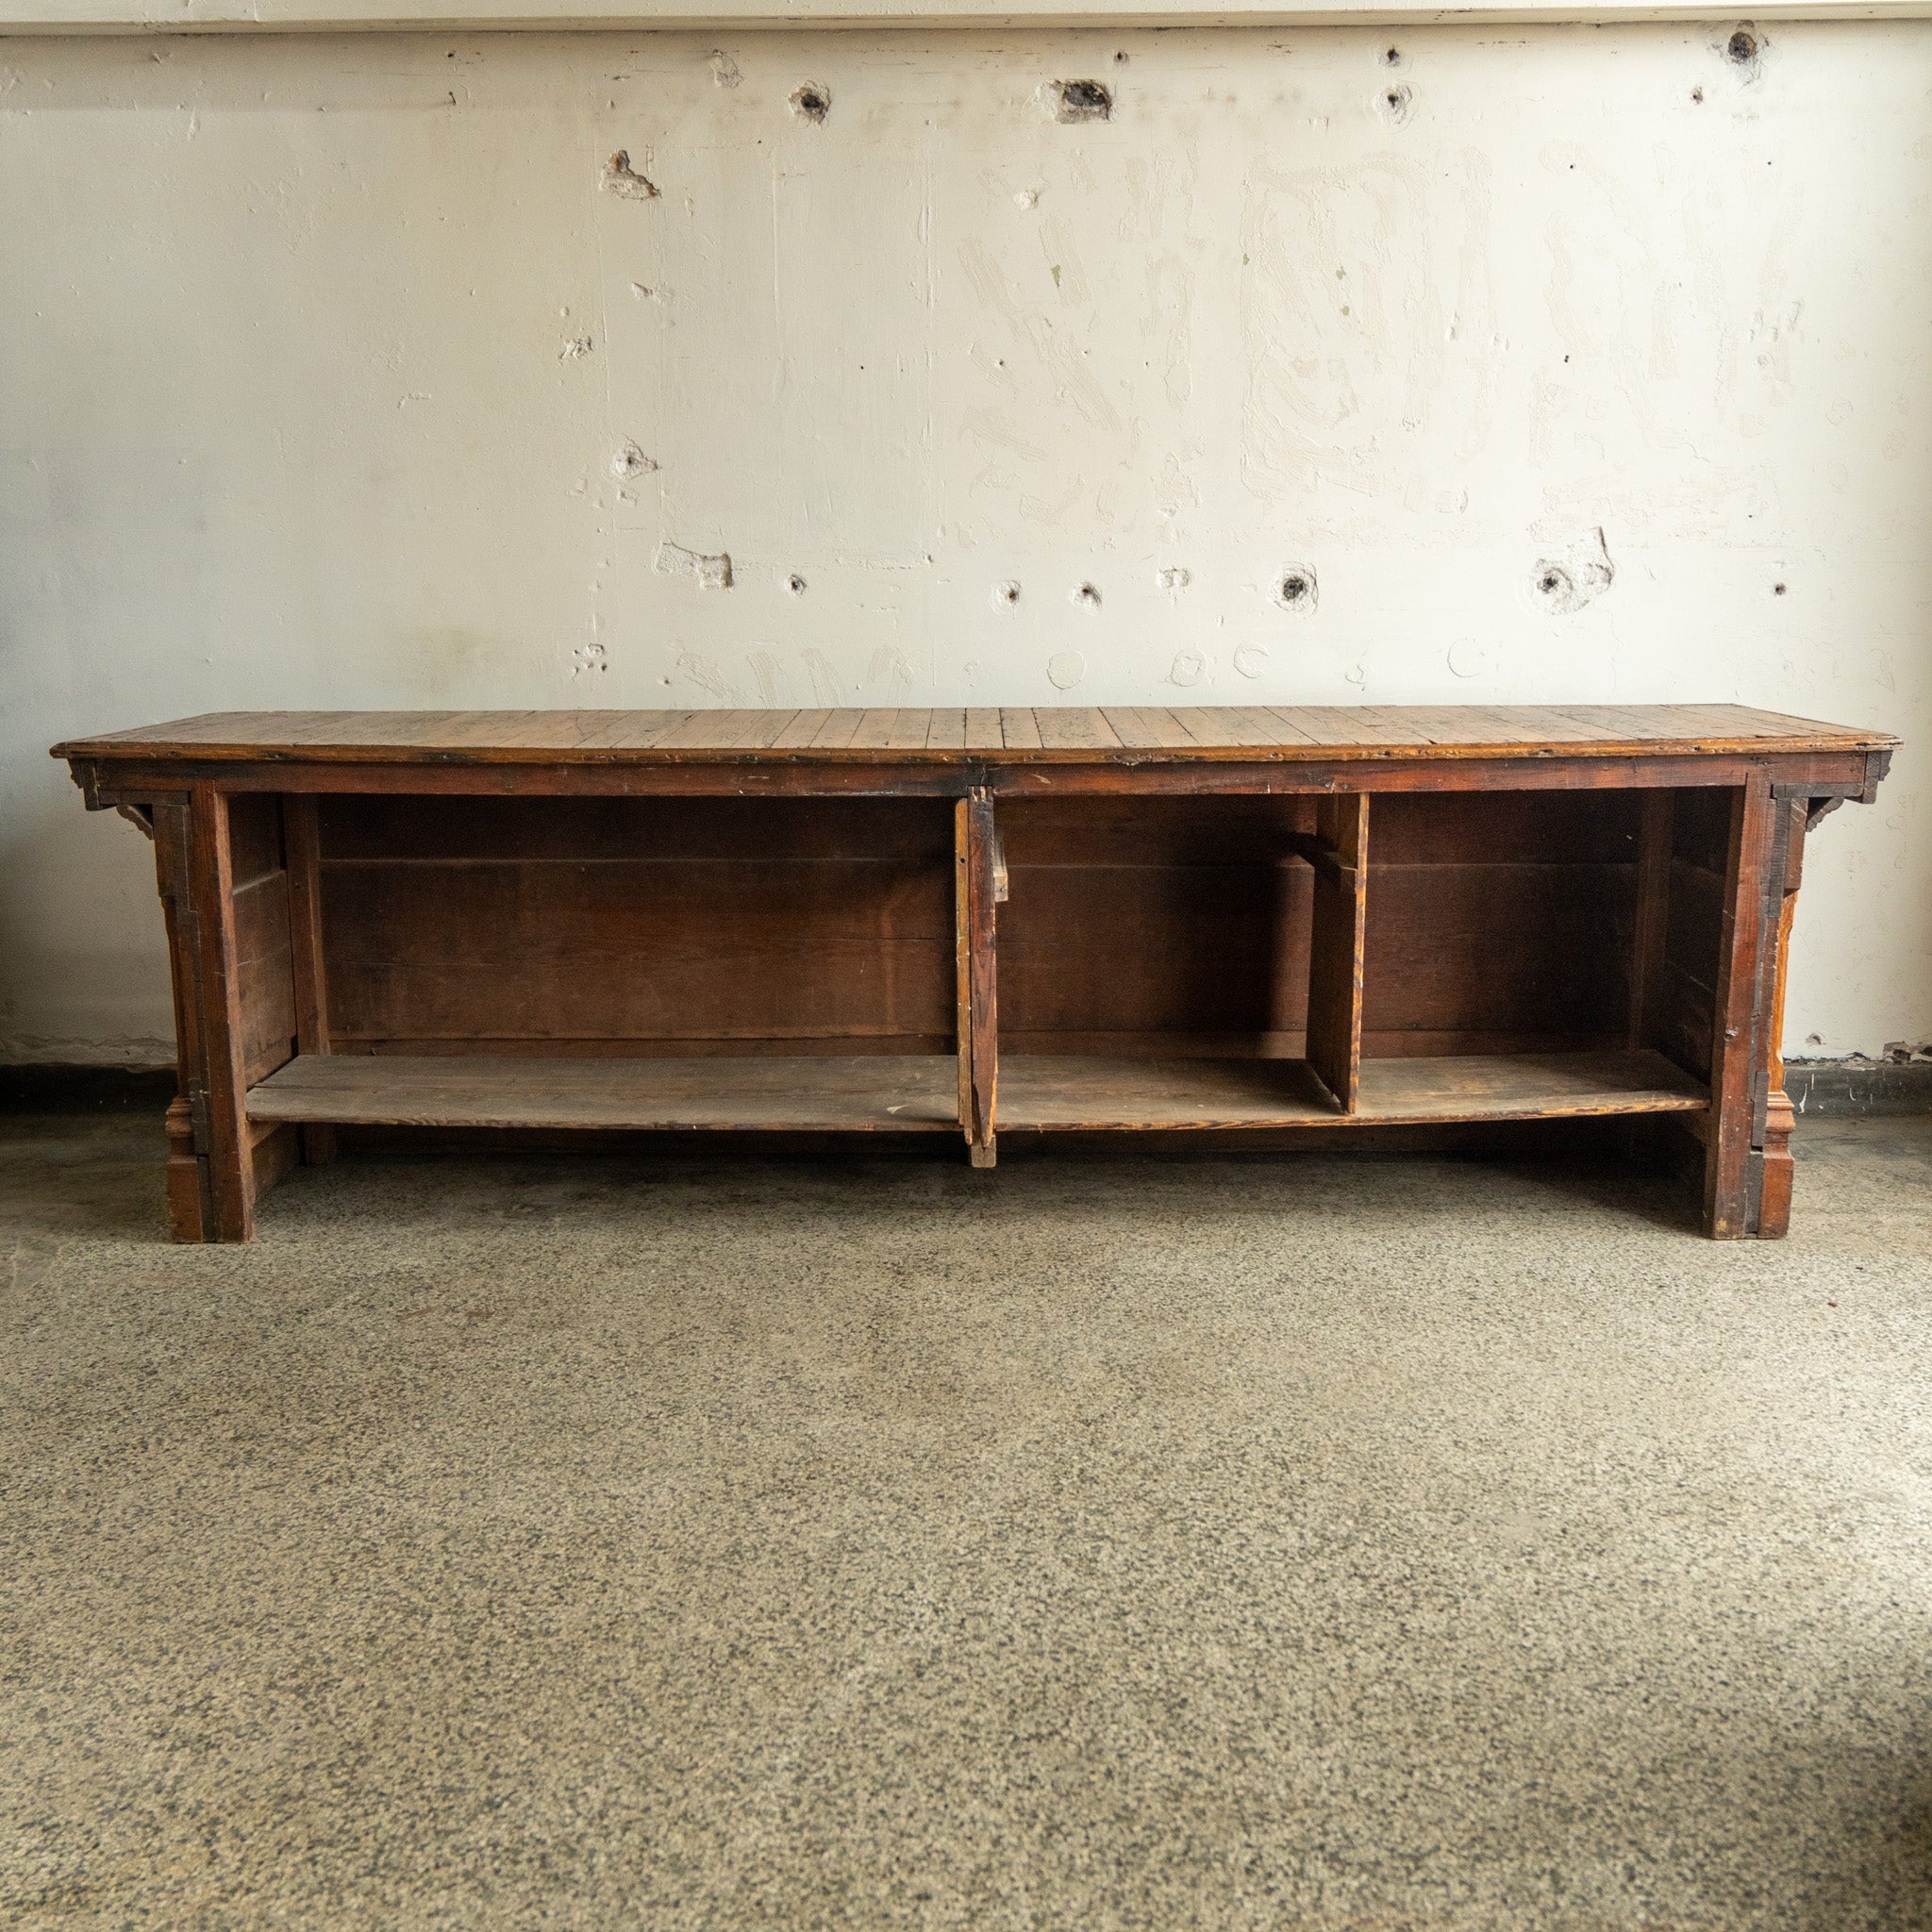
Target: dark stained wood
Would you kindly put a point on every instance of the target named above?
(974, 845)
(1753, 851)
(1653, 905)
(1775, 1117)
(1337, 931)
(902, 1094)
(212, 889)
(780, 920)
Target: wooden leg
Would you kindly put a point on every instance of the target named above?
(1774, 1166)
(211, 894)
(975, 860)
(190, 1202)
(1747, 1157)
(1340, 856)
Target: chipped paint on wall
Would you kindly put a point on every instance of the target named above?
(1141, 367)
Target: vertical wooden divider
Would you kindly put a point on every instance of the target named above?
(302, 855)
(1340, 860)
(212, 882)
(974, 860)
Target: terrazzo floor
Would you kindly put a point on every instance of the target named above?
(1316, 1541)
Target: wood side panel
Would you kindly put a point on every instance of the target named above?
(1336, 946)
(265, 975)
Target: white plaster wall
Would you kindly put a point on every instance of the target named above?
(316, 353)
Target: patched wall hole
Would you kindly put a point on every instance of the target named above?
(1396, 104)
(1087, 595)
(1005, 594)
(620, 177)
(1082, 100)
(1296, 588)
(812, 101)
(630, 462)
(1392, 57)
(1580, 575)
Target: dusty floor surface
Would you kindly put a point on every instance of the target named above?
(1156, 1544)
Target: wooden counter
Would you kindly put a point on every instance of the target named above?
(968, 921)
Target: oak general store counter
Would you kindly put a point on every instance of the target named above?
(964, 922)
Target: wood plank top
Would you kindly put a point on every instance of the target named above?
(1027, 734)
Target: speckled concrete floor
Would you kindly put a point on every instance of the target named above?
(1300, 1543)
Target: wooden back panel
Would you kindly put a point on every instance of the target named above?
(1154, 925)
(1500, 921)
(616, 926)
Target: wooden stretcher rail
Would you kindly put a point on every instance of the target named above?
(1219, 919)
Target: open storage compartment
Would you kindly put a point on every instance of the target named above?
(619, 962)
(1202, 961)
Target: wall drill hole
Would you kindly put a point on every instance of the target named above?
(812, 101)
(796, 584)
(1777, 590)
(1393, 57)
(1089, 595)
(1082, 100)
(1296, 588)
(1742, 47)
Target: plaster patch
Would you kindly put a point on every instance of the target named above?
(621, 178)
(812, 101)
(1080, 100)
(1065, 669)
(711, 573)
(1579, 575)
(1297, 588)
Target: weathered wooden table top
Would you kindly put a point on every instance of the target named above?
(1023, 733)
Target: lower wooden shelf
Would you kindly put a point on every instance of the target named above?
(919, 1093)
(1060, 1093)
(884, 1093)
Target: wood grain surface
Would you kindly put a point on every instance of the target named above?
(1043, 734)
